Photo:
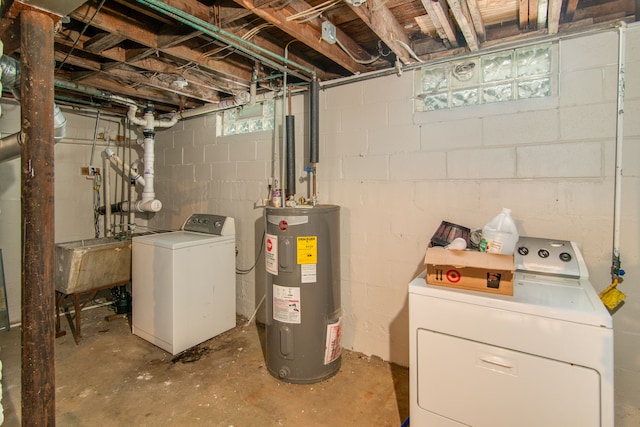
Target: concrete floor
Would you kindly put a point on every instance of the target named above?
(113, 378)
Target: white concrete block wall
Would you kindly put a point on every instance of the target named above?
(551, 161)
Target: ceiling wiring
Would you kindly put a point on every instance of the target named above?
(75, 43)
(314, 11)
(359, 61)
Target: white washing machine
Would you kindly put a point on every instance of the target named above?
(542, 357)
(183, 283)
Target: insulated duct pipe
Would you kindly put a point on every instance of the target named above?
(291, 156)
(314, 135)
(149, 203)
(314, 128)
(10, 145)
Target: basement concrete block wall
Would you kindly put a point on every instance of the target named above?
(397, 174)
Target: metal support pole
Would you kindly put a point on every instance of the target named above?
(38, 248)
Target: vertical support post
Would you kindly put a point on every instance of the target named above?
(38, 248)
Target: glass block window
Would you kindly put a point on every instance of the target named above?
(247, 119)
(509, 75)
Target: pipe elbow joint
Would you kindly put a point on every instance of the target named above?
(153, 205)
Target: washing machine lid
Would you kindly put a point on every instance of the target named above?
(181, 239)
(572, 300)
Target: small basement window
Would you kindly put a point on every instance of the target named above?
(510, 75)
(247, 119)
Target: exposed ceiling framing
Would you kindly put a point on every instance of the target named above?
(183, 54)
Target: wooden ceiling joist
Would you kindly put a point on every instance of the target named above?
(439, 13)
(310, 35)
(386, 27)
(553, 16)
(146, 37)
(476, 18)
(464, 23)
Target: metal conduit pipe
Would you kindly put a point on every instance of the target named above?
(10, 145)
(230, 39)
(87, 90)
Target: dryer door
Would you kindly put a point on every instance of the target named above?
(486, 386)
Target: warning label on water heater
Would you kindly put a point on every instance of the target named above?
(333, 347)
(286, 304)
(271, 254)
(307, 249)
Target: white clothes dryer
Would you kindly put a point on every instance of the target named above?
(542, 357)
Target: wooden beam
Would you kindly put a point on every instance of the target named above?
(38, 225)
(464, 23)
(553, 16)
(77, 61)
(146, 37)
(523, 14)
(476, 18)
(533, 14)
(102, 41)
(572, 5)
(164, 82)
(208, 14)
(385, 25)
(543, 6)
(145, 59)
(309, 33)
(104, 82)
(439, 13)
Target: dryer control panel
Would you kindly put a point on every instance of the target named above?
(549, 256)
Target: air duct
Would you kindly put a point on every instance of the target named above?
(10, 145)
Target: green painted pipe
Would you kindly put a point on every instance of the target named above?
(224, 36)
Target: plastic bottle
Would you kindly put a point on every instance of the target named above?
(500, 235)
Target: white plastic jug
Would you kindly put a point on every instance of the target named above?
(500, 235)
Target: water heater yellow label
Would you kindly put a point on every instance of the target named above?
(307, 249)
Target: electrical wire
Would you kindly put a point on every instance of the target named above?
(97, 183)
(246, 36)
(314, 11)
(75, 43)
(369, 61)
(249, 270)
(408, 49)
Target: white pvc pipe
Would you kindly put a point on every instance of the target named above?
(116, 160)
(107, 197)
(149, 123)
(619, 139)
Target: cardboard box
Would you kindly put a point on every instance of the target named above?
(476, 271)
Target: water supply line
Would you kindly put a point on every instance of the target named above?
(612, 297)
(619, 140)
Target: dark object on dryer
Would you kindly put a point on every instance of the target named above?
(447, 232)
